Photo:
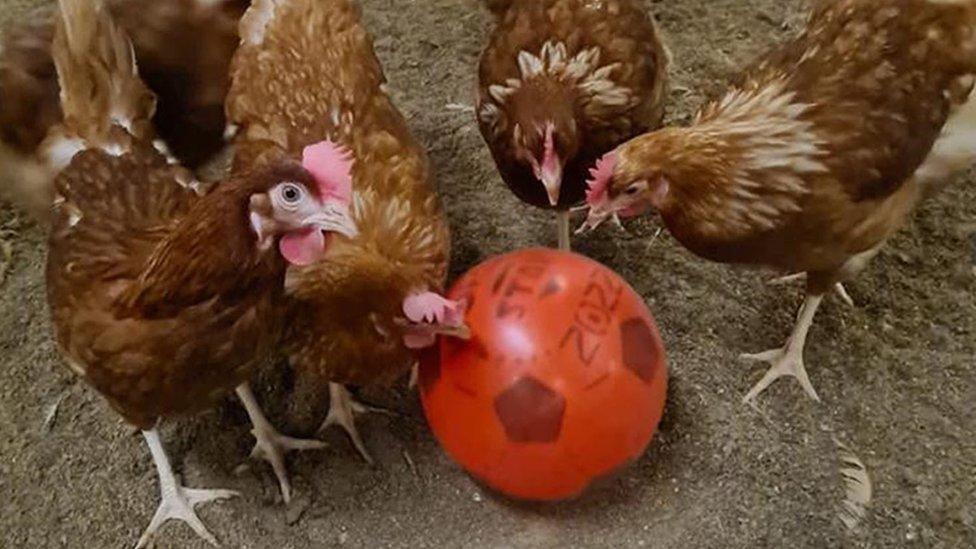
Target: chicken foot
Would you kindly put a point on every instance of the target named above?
(270, 445)
(342, 412)
(801, 277)
(177, 502)
(562, 229)
(788, 361)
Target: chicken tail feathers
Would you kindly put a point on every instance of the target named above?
(100, 84)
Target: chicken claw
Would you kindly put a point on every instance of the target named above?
(788, 279)
(342, 412)
(177, 502)
(784, 363)
(270, 445)
(844, 296)
(788, 361)
(589, 225)
(593, 221)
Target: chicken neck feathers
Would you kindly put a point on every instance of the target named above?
(319, 78)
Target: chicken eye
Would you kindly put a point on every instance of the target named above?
(292, 194)
(633, 190)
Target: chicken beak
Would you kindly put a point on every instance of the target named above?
(262, 232)
(262, 224)
(334, 217)
(460, 331)
(552, 180)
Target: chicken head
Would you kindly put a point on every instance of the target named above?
(305, 208)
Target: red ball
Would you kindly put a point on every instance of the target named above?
(562, 382)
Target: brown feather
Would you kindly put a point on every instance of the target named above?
(814, 155)
(590, 120)
(318, 79)
(28, 83)
(160, 298)
(183, 49)
(100, 85)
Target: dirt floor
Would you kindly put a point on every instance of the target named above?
(896, 373)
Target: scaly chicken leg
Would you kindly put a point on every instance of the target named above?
(177, 502)
(801, 277)
(788, 361)
(342, 412)
(270, 445)
(562, 228)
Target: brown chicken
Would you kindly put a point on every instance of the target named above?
(356, 317)
(162, 299)
(183, 48)
(817, 154)
(561, 83)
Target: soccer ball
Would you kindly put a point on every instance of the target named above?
(562, 382)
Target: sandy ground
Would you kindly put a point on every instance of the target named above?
(896, 373)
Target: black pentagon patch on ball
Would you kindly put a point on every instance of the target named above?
(551, 287)
(640, 353)
(530, 411)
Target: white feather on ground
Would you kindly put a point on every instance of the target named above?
(857, 487)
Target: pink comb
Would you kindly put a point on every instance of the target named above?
(431, 308)
(331, 166)
(600, 176)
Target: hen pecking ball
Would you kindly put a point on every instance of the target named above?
(562, 382)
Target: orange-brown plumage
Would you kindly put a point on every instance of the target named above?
(320, 78)
(813, 155)
(184, 49)
(28, 83)
(595, 71)
(161, 298)
(820, 149)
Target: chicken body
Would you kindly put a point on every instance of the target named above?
(561, 82)
(818, 152)
(162, 299)
(183, 48)
(319, 78)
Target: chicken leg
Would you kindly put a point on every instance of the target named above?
(342, 412)
(562, 229)
(788, 361)
(270, 445)
(800, 277)
(177, 502)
